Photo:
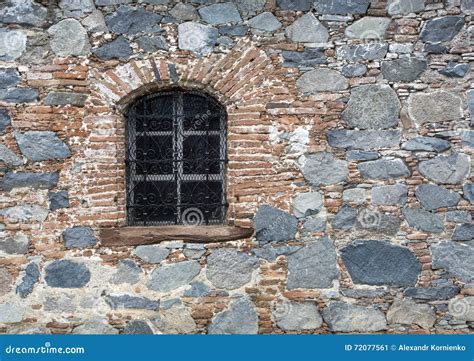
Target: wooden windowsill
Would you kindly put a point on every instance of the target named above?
(135, 236)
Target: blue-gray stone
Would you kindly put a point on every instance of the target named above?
(217, 14)
(127, 272)
(455, 70)
(79, 237)
(233, 30)
(19, 95)
(117, 49)
(363, 139)
(196, 37)
(324, 168)
(31, 276)
(128, 20)
(456, 258)
(390, 194)
(13, 43)
(468, 192)
(270, 253)
(452, 169)
(373, 223)
(360, 52)
(184, 12)
(246, 6)
(25, 12)
(354, 70)
(9, 158)
(118, 2)
(432, 293)
(458, 217)
(470, 105)
(152, 43)
(384, 169)
(423, 220)
(307, 58)
(441, 29)
(76, 8)
(5, 119)
(403, 69)
(274, 225)
(295, 315)
(463, 232)
(307, 29)
(433, 197)
(320, 80)
(18, 244)
(9, 78)
(427, 144)
(380, 263)
(345, 317)
(265, 22)
(151, 253)
(58, 200)
(67, 274)
(137, 328)
(345, 219)
(239, 318)
(198, 289)
(360, 155)
(131, 302)
(435, 48)
(41, 145)
(65, 98)
(341, 7)
(313, 266)
(363, 293)
(295, 5)
(29, 179)
(403, 7)
(172, 276)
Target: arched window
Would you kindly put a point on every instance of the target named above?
(176, 159)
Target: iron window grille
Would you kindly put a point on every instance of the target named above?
(176, 160)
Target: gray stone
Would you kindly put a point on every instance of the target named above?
(9, 77)
(131, 302)
(79, 237)
(353, 70)
(115, 2)
(239, 318)
(345, 219)
(390, 195)
(197, 289)
(250, 6)
(217, 14)
(403, 69)
(467, 6)
(364, 139)
(452, 169)
(184, 12)
(360, 155)
(61, 303)
(265, 22)
(29, 179)
(435, 48)
(67, 274)
(27, 212)
(175, 320)
(117, 49)
(11, 312)
(26, 12)
(313, 266)
(76, 8)
(354, 195)
(170, 303)
(408, 312)
(172, 276)
(290, 315)
(403, 7)
(401, 48)
(341, 7)
(5, 120)
(458, 217)
(324, 168)
(455, 70)
(152, 44)
(373, 223)
(9, 158)
(18, 244)
(69, 38)
(13, 44)
(58, 200)
(28, 281)
(373, 106)
(128, 20)
(233, 30)
(6, 280)
(427, 144)
(320, 80)
(368, 28)
(384, 169)
(433, 197)
(137, 327)
(307, 58)
(152, 253)
(95, 326)
(360, 52)
(41, 145)
(434, 107)
(225, 41)
(468, 192)
(363, 293)
(19, 95)
(127, 272)
(456, 258)
(463, 232)
(274, 225)
(344, 317)
(380, 263)
(95, 22)
(423, 220)
(462, 309)
(65, 98)
(271, 253)
(307, 29)
(295, 5)
(306, 204)
(198, 38)
(441, 29)
(432, 293)
(470, 105)
(229, 268)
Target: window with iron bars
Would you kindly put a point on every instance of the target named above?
(176, 160)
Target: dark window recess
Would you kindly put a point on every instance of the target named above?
(176, 160)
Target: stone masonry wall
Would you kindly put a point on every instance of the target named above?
(350, 148)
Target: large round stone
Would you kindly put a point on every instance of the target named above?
(67, 274)
(230, 269)
(443, 169)
(408, 312)
(169, 277)
(372, 106)
(324, 168)
(439, 106)
(433, 197)
(239, 318)
(69, 38)
(403, 69)
(321, 80)
(290, 315)
(345, 317)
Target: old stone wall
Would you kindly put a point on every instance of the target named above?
(349, 142)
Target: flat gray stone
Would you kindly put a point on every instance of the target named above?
(452, 169)
(401, 48)
(320, 80)
(456, 258)
(368, 28)
(427, 144)
(6, 281)
(129, 20)
(233, 30)
(354, 195)
(363, 139)
(198, 38)
(230, 269)
(60, 303)
(131, 302)
(76, 8)
(58, 200)
(433, 197)
(137, 327)
(467, 6)
(32, 275)
(65, 98)
(360, 52)
(458, 217)
(468, 192)
(19, 95)
(345, 219)
(401, 7)
(79, 237)
(313, 266)
(95, 22)
(408, 312)
(384, 169)
(455, 70)
(239, 318)
(67, 274)
(117, 49)
(432, 293)
(184, 12)
(354, 70)
(25, 12)
(30, 180)
(271, 253)
(390, 194)
(69, 38)
(9, 77)
(18, 244)
(403, 69)
(292, 316)
(295, 5)
(250, 6)
(11, 312)
(423, 220)
(217, 14)
(197, 289)
(116, 2)
(463, 232)
(172, 276)
(14, 44)
(441, 29)
(380, 263)
(363, 293)
(462, 309)
(361, 155)
(152, 253)
(434, 107)
(372, 223)
(344, 317)
(41, 145)
(5, 119)
(307, 204)
(307, 58)
(265, 22)
(470, 104)
(152, 43)
(341, 7)
(324, 168)
(29, 212)
(373, 106)
(307, 29)
(9, 158)
(128, 272)
(95, 326)
(274, 225)
(175, 320)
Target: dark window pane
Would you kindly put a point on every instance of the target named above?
(154, 154)
(203, 196)
(201, 154)
(154, 201)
